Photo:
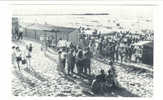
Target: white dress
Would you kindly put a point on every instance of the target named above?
(13, 56)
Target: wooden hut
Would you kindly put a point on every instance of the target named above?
(147, 57)
(34, 31)
(15, 27)
(147, 54)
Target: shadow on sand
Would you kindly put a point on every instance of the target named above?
(85, 81)
(24, 79)
(138, 70)
(35, 74)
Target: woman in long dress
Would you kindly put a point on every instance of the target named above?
(28, 56)
(13, 55)
(59, 65)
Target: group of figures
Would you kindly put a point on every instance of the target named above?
(105, 83)
(118, 46)
(81, 58)
(22, 56)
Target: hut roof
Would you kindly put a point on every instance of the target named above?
(150, 44)
(144, 43)
(50, 28)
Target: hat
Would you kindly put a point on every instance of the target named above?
(102, 71)
(13, 47)
(60, 51)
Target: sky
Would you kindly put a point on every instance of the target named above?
(69, 9)
(126, 14)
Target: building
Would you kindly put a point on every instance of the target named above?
(55, 33)
(74, 36)
(147, 51)
(147, 57)
(15, 27)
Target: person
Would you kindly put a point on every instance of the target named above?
(63, 60)
(70, 62)
(112, 52)
(101, 77)
(113, 75)
(59, 64)
(109, 80)
(13, 55)
(20, 34)
(24, 59)
(98, 84)
(16, 33)
(42, 42)
(139, 55)
(73, 60)
(108, 50)
(130, 53)
(30, 47)
(84, 62)
(79, 61)
(18, 57)
(88, 56)
(116, 52)
(100, 46)
(43, 47)
(122, 53)
(28, 55)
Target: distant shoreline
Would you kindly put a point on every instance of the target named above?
(61, 14)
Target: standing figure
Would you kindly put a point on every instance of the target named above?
(28, 55)
(89, 55)
(122, 53)
(139, 53)
(30, 48)
(130, 53)
(112, 52)
(18, 57)
(59, 64)
(13, 55)
(116, 53)
(73, 60)
(70, 62)
(63, 60)
(79, 61)
(20, 34)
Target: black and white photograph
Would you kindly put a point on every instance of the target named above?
(82, 50)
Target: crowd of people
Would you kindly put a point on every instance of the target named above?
(81, 58)
(117, 47)
(76, 59)
(21, 57)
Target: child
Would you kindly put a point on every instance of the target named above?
(18, 57)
